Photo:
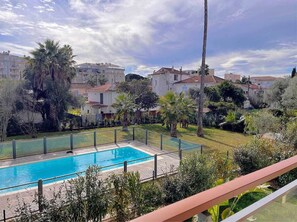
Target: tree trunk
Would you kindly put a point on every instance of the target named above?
(200, 101)
(173, 129)
(125, 122)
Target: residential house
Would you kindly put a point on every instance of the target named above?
(11, 66)
(194, 82)
(99, 104)
(80, 89)
(232, 77)
(99, 71)
(265, 82)
(163, 80)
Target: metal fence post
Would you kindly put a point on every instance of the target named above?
(227, 154)
(133, 135)
(201, 149)
(40, 194)
(125, 166)
(115, 136)
(14, 149)
(146, 132)
(44, 145)
(155, 165)
(179, 144)
(4, 216)
(161, 141)
(71, 141)
(180, 154)
(95, 139)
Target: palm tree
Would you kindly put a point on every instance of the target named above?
(200, 102)
(50, 65)
(171, 110)
(187, 108)
(124, 105)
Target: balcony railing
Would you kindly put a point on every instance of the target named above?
(188, 207)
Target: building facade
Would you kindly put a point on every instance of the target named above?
(194, 82)
(232, 77)
(99, 103)
(99, 73)
(11, 66)
(163, 80)
(264, 82)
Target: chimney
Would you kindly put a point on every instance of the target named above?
(181, 69)
(172, 68)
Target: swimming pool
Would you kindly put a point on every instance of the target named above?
(31, 172)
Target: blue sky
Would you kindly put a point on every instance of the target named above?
(250, 37)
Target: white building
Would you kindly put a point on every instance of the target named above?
(194, 82)
(265, 82)
(11, 66)
(195, 72)
(164, 78)
(232, 77)
(99, 104)
(98, 71)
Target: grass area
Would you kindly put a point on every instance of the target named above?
(214, 139)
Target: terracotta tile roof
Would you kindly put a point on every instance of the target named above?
(252, 86)
(264, 78)
(165, 70)
(97, 104)
(103, 88)
(197, 79)
(80, 86)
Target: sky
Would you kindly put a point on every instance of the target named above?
(249, 37)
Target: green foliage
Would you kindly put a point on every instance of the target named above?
(230, 92)
(289, 97)
(262, 122)
(273, 96)
(175, 108)
(212, 93)
(130, 77)
(231, 117)
(195, 174)
(253, 156)
(124, 105)
(49, 73)
(8, 98)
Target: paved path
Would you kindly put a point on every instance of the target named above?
(9, 202)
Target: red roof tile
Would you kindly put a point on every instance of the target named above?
(103, 88)
(197, 79)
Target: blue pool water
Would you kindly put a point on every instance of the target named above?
(26, 173)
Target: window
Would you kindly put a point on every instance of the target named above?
(88, 111)
(101, 98)
(175, 77)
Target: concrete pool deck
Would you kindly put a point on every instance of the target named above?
(9, 202)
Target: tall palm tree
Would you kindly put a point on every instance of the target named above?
(50, 65)
(124, 105)
(200, 102)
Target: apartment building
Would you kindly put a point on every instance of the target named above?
(232, 77)
(99, 73)
(11, 66)
(265, 82)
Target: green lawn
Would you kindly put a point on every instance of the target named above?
(214, 140)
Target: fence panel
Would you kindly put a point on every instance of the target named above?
(5, 150)
(60, 143)
(123, 136)
(139, 135)
(153, 139)
(81, 140)
(170, 143)
(29, 147)
(104, 137)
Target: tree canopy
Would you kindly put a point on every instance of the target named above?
(49, 75)
(230, 92)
